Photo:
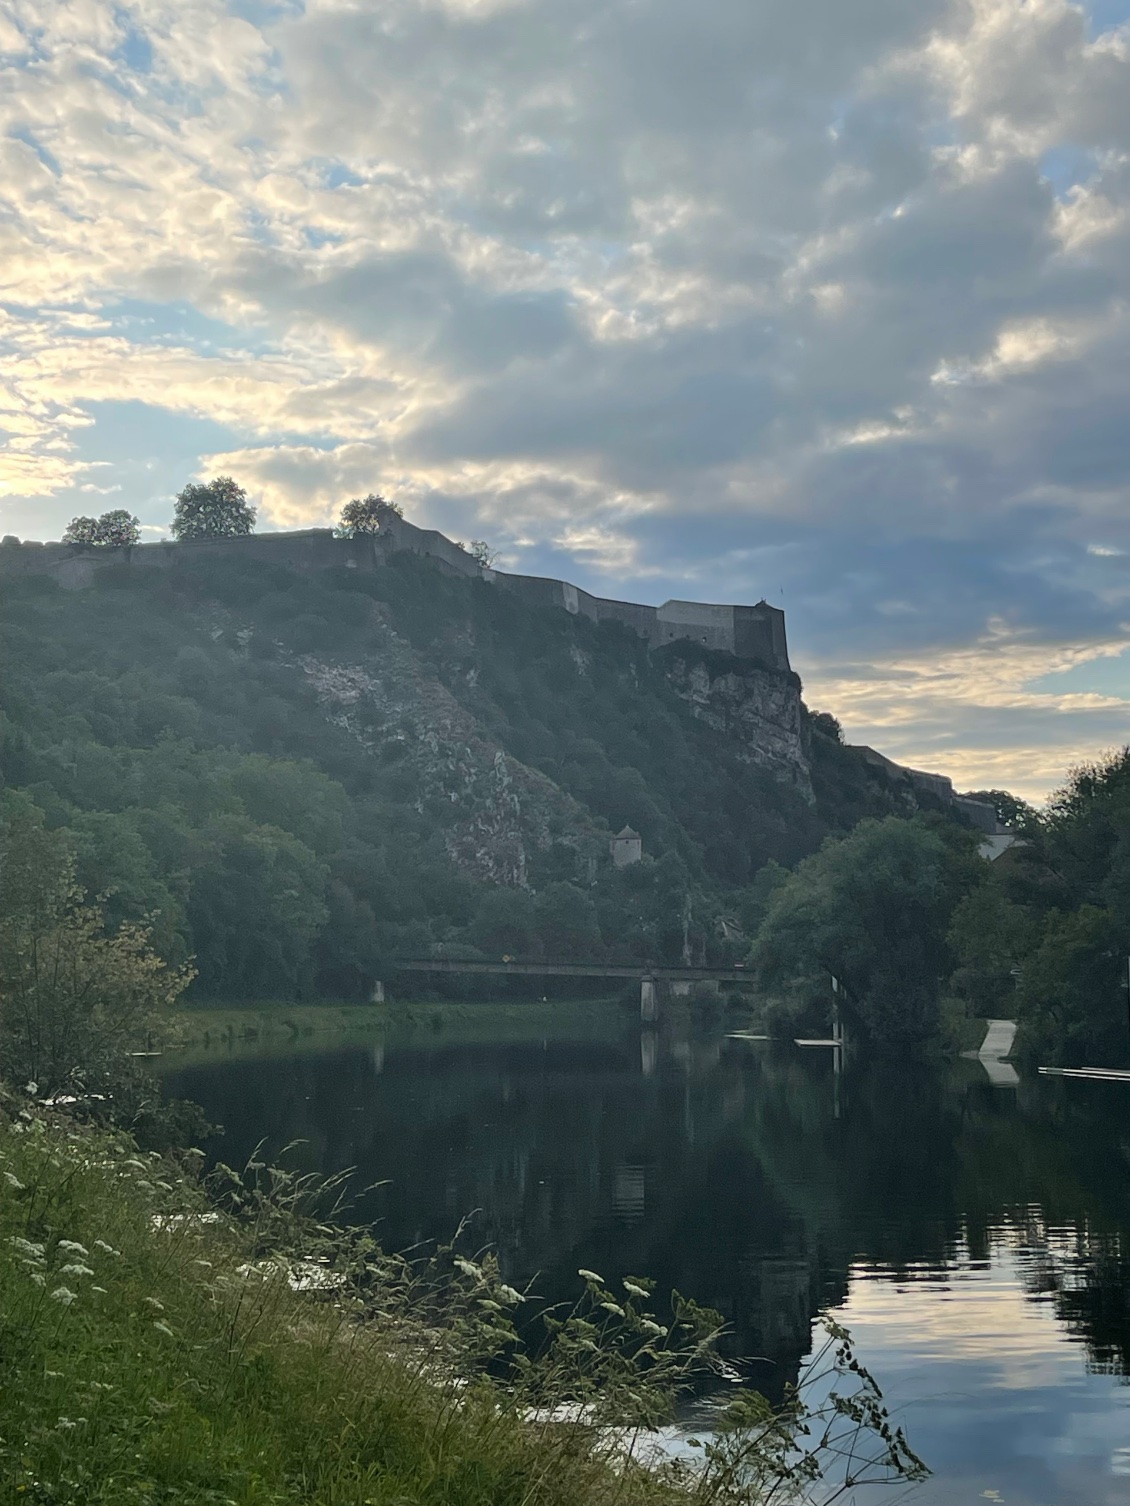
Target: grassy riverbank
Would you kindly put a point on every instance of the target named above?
(271, 1023)
(142, 1360)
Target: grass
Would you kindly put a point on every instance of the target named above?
(271, 1023)
(156, 1349)
(143, 1360)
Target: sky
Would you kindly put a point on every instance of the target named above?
(820, 302)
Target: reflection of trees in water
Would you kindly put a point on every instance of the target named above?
(722, 1171)
(1086, 1277)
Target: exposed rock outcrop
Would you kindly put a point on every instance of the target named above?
(496, 810)
(760, 709)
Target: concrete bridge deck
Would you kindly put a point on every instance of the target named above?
(638, 970)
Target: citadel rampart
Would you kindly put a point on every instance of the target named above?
(749, 632)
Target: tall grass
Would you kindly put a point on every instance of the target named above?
(166, 1342)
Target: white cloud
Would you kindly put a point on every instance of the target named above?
(670, 295)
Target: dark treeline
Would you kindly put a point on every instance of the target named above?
(924, 933)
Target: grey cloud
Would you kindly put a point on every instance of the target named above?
(731, 292)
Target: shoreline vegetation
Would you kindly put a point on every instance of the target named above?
(221, 1341)
(201, 1034)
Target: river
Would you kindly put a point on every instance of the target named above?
(975, 1238)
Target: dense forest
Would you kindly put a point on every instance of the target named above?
(924, 934)
(296, 778)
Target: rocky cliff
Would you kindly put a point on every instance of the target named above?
(760, 710)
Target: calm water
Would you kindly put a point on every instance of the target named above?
(975, 1238)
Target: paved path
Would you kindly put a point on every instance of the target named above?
(998, 1039)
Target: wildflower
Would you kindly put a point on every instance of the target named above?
(26, 1246)
(13, 1181)
(508, 1294)
(154, 1302)
(100, 1244)
(39, 1278)
(590, 1276)
(164, 1328)
(614, 1308)
(31, 1089)
(100, 1289)
(64, 1295)
(65, 1422)
(633, 1290)
(653, 1328)
(76, 1269)
(73, 1247)
(469, 1268)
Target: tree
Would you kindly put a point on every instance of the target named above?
(872, 909)
(989, 936)
(505, 924)
(217, 510)
(1072, 1002)
(81, 531)
(366, 515)
(115, 530)
(118, 529)
(1011, 811)
(481, 552)
(567, 923)
(74, 997)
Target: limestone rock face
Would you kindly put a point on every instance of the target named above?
(494, 809)
(759, 708)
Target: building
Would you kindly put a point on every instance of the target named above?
(626, 847)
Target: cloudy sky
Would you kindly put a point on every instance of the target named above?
(826, 301)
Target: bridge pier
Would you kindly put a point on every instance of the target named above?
(649, 1001)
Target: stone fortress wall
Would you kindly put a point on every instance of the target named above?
(749, 632)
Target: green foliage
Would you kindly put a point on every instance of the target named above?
(168, 722)
(74, 998)
(163, 1341)
(116, 530)
(1011, 811)
(873, 910)
(217, 509)
(989, 936)
(1072, 1003)
(366, 515)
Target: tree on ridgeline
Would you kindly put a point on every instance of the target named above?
(217, 509)
(113, 530)
(366, 515)
(481, 552)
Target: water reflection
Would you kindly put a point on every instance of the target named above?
(975, 1237)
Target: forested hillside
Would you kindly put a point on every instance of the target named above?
(301, 776)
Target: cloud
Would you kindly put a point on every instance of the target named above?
(823, 300)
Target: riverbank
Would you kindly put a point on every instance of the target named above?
(154, 1351)
(271, 1024)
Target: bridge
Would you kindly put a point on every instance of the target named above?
(649, 974)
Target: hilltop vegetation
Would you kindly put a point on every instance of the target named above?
(295, 778)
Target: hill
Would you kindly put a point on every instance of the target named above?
(305, 773)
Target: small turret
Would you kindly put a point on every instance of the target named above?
(626, 847)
